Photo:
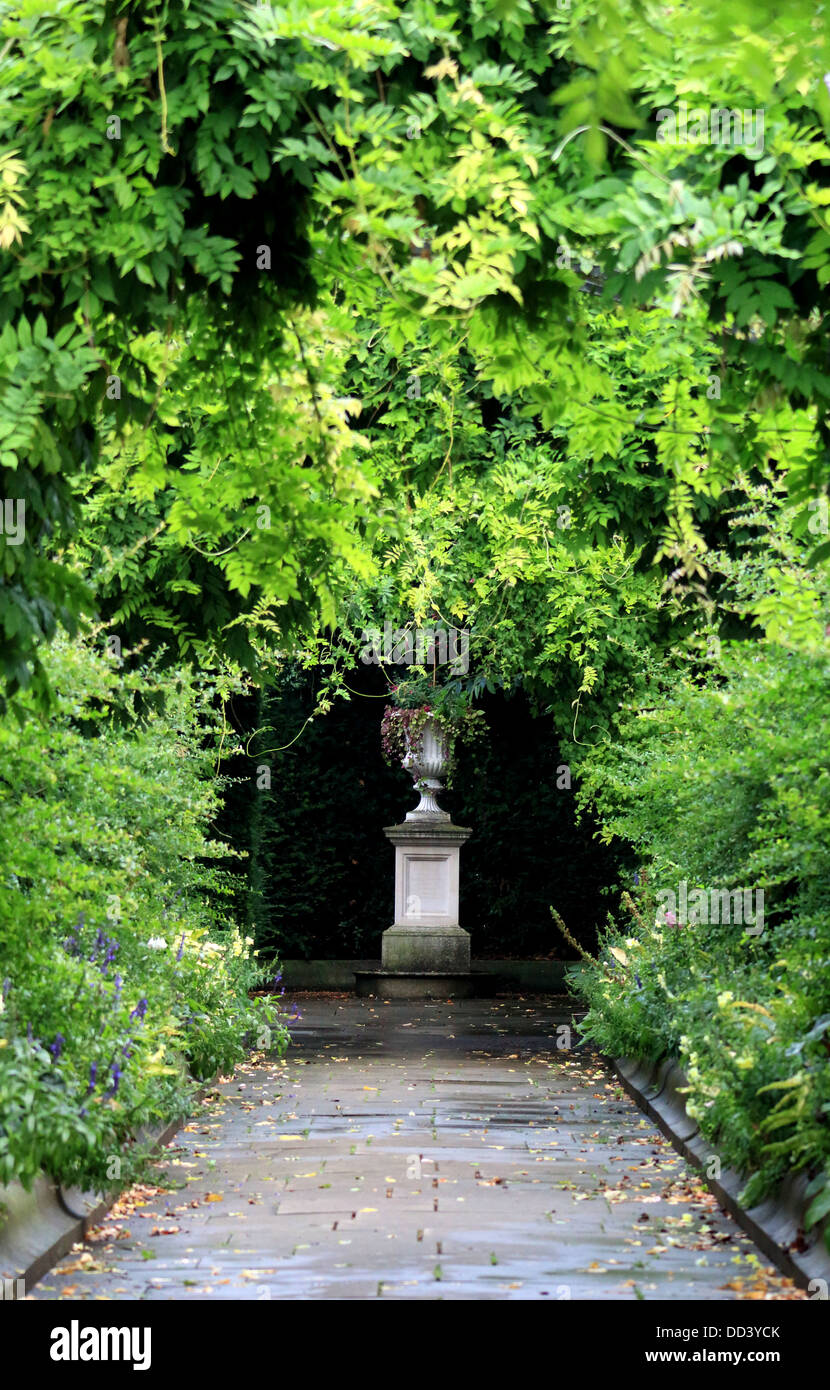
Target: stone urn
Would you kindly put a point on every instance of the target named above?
(425, 760)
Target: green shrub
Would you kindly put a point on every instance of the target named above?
(722, 782)
(124, 979)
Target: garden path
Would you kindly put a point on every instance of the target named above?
(420, 1151)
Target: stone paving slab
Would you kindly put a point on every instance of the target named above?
(422, 1150)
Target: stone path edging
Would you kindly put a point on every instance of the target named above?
(775, 1224)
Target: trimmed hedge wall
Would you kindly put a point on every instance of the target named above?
(321, 873)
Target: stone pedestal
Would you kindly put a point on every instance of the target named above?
(425, 954)
(426, 936)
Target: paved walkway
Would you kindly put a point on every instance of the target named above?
(429, 1150)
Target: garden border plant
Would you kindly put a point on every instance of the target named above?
(125, 981)
(719, 779)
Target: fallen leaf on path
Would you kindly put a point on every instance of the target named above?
(83, 1262)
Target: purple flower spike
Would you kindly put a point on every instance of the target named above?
(71, 944)
(56, 1047)
(180, 951)
(93, 1076)
(6, 985)
(140, 1009)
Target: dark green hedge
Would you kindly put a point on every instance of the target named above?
(321, 874)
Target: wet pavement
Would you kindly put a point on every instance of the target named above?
(427, 1150)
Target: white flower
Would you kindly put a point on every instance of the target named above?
(157, 943)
